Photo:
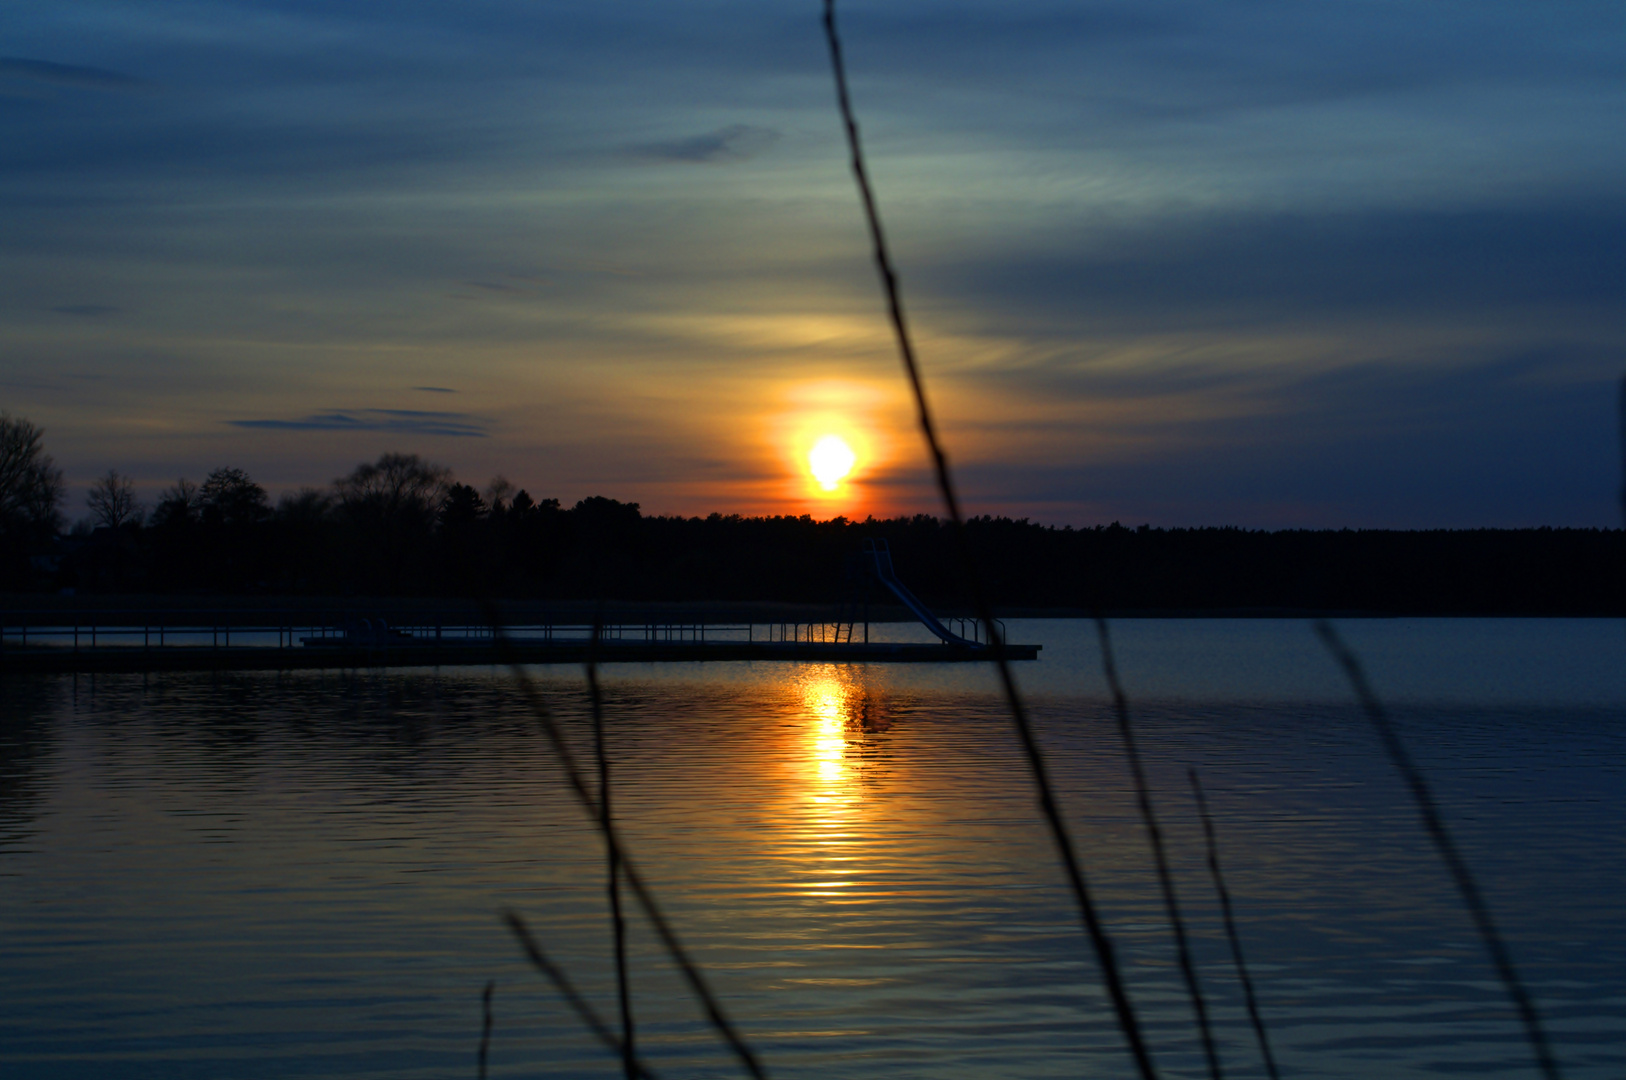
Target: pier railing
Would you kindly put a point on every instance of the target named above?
(294, 629)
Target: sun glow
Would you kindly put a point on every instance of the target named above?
(830, 460)
(834, 440)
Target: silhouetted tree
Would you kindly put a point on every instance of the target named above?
(396, 486)
(228, 547)
(178, 505)
(112, 501)
(306, 504)
(498, 490)
(30, 484)
(608, 547)
(305, 541)
(174, 536)
(391, 506)
(469, 560)
(462, 506)
(228, 497)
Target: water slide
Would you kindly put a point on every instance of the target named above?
(880, 557)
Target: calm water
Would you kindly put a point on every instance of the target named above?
(262, 876)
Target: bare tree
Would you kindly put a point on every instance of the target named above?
(177, 505)
(307, 506)
(392, 504)
(499, 491)
(30, 483)
(397, 488)
(229, 497)
(113, 502)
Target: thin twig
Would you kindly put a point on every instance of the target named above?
(1047, 802)
(1434, 825)
(635, 879)
(618, 924)
(561, 982)
(1143, 795)
(485, 1027)
(1254, 1015)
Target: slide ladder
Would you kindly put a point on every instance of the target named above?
(879, 555)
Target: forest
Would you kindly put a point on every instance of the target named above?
(401, 526)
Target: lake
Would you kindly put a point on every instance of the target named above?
(264, 875)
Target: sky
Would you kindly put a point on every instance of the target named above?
(1272, 265)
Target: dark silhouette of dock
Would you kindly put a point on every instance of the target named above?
(296, 638)
(272, 640)
(112, 658)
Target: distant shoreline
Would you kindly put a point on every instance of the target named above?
(557, 561)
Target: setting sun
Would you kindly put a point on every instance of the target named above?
(830, 460)
(834, 439)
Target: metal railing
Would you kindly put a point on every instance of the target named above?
(293, 629)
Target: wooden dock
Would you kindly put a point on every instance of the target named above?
(288, 641)
(47, 659)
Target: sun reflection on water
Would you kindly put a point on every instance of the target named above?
(840, 716)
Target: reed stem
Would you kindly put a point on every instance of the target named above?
(617, 923)
(641, 891)
(1434, 825)
(567, 990)
(1030, 747)
(1235, 938)
(1143, 796)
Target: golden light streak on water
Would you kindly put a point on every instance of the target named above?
(833, 797)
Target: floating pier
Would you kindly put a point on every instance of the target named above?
(228, 641)
(293, 639)
(125, 658)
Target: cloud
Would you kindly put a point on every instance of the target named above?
(1503, 437)
(733, 143)
(1245, 269)
(87, 78)
(87, 310)
(1171, 221)
(413, 421)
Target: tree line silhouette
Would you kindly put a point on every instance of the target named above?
(403, 526)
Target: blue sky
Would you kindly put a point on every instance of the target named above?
(1263, 264)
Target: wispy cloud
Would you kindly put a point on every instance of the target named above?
(414, 421)
(1226, 270)
(435, 389)
(54, 74)
(733, 143)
